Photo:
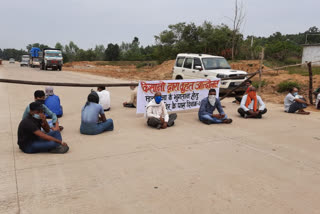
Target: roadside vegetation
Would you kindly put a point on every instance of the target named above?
(189, 38)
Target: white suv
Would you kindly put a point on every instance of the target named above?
(203, 66)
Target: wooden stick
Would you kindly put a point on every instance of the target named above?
(242, 84)
(260, 71)
(310, 83)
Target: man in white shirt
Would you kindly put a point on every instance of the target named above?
(318, 101)
(104, 98)
(251, 105)
(157, 114)
(294, 103)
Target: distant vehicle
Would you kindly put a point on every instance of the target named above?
(12, 60)
(35, 63)
(34, 57)
(24, 60)
(51, 58)
(202, 66)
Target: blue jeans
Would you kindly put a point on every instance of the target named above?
(296, 106)
(94, 129)
(208, 119)
(41, 145)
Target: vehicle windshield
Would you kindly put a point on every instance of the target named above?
(215, 63)
(36, 59)
(53, 54)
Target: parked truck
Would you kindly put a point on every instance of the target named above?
(34, 57)
(51, 58)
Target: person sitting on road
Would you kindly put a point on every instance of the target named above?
(104, 98)
(252, 105)
(318, 101)
(157, 114)
(93, 119)
(53, 102)
(294, 102)
(132, 103)
(239, 98)
(39, 96)
(207, 107)
(30, 137)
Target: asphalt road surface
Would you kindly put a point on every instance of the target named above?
(262, 166)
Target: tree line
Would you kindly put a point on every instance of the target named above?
(188, 38)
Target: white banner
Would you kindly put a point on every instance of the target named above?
(177, 94)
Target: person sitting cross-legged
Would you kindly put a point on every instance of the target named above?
(207, 107)
(294, 103)
(53, 102)
(252, 105)
(157, 114)
(30, 137)
(93, 119)
(39, 96)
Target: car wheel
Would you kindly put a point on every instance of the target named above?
(179, 77)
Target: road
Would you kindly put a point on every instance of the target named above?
(251, 166)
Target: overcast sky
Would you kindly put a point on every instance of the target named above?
(91, 22)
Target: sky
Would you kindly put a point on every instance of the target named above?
(91, 22)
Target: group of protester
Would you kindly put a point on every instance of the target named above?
(36, 134)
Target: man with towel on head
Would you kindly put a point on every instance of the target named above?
(251, 105)
(53, 102)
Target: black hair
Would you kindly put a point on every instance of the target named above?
(212, 90)
(39, 93)
(34, 106)
(249, 81)
(93, 97)
(291, 89)
(102, 87)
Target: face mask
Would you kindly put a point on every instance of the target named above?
(40, 101)
(295, 93)
(36, 116)
(158, 99)
(212, 99)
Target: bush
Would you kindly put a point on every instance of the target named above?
(286, 85)
(143, 64)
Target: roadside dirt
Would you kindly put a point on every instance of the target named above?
(164, 71)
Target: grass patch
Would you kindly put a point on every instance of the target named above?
(286, 85)
(304, 70)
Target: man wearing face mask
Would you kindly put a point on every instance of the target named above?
(294, 103)
(251, 105)
(157, 114)
(207, 107)
(30, 137)
(39, 96)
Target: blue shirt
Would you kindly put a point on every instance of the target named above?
(90, 113)
(207, 109)
(53, 103)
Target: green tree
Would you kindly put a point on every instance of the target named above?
(112, 53)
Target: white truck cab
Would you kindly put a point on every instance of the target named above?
(203, 66)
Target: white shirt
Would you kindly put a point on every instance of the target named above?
(288, 101)
(260, 103)
(317, 100)
(157, 110)
(104, 99)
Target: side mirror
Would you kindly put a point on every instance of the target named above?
(198, 67)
